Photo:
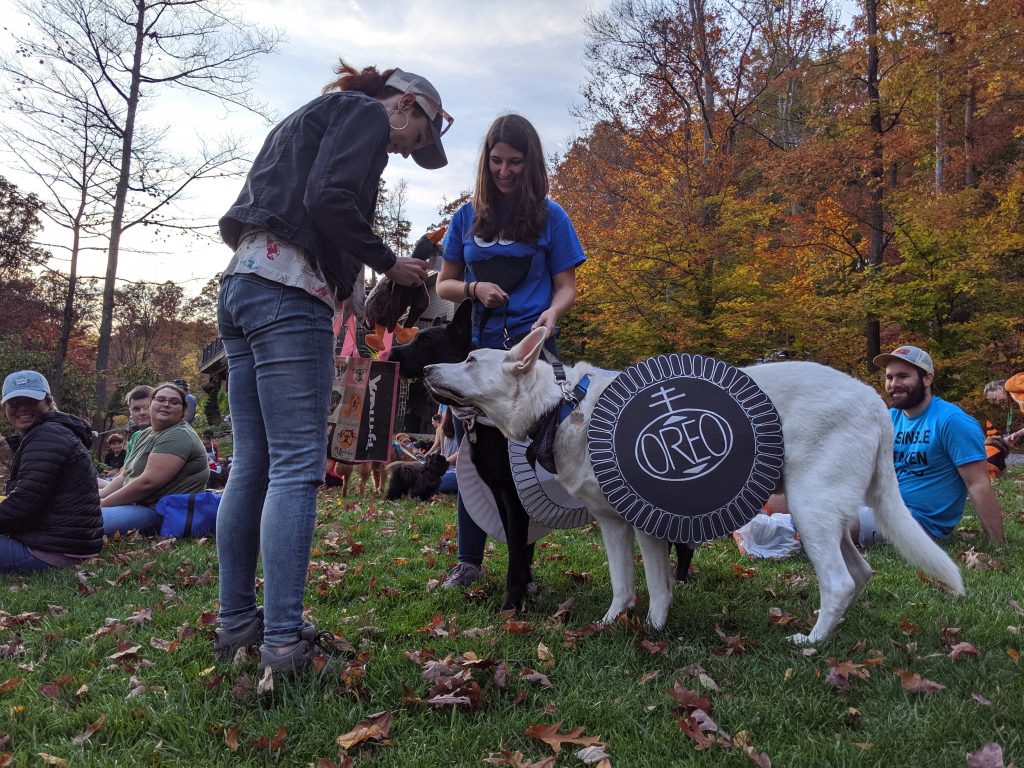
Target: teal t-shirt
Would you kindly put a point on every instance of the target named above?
(927, 450)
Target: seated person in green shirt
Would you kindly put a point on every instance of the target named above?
(167, 458)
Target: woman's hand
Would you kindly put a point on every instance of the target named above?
(408, 271)
(488, 294)
(548, 319)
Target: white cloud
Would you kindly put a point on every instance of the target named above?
(486, 58)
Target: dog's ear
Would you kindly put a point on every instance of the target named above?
(525, 353)
(461, 325)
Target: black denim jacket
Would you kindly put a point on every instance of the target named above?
(314, 183)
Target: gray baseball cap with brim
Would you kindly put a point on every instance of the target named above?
(916, 356)
(431, 156)
(25, 384)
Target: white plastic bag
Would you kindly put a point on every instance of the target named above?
(771, 536)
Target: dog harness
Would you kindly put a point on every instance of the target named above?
(542, 447)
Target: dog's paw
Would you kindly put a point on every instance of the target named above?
(654, 622)
(799, 639)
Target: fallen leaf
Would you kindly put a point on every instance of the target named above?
(914, 683)
(960, 650)
(53, 760)
(231, 738)
(1013, 653)
(688, 700)
(533, 676)
(549, 735)
(14, 682)
(88, 732)
(981, 699)
(266, 683)
(375, 728)
(593, 754)
(516, 760)
(274, 742)
(989, 756)
(652, 647)
(545, 656)
(742, 740)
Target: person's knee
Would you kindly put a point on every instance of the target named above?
(866, 533)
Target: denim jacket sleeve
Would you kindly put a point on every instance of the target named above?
(349, 158)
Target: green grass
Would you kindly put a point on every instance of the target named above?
(606, 684)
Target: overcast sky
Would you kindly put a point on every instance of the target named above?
(486, 58)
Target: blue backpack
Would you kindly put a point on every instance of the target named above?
(188, 514)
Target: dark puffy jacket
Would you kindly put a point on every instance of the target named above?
(52, 503)
(314, 183)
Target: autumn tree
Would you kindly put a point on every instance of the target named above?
(665, 187)
(126, 53)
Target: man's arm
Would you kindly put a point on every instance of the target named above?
(975, 477)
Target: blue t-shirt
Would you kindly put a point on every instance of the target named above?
(927, 451)
(556, 250)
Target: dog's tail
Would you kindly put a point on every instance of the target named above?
(899, 527)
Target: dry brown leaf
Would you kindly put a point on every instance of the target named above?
(960, 650)
(914, 683)
(652, 647)
(14, 682)
(60, 762)
(231, 738)
(742, 740)
(266, 683)
(375, 728)
(533, 676)
(88, 732)
(549, 735)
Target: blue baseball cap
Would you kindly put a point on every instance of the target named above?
(25, 384)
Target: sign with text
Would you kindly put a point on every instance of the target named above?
(363, 417)
(686, 448)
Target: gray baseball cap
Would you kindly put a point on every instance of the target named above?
(916, 356)
(25, 384)
(431, 156)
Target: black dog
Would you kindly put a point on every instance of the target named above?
(452, 343)
(416, 480)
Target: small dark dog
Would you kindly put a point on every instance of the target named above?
(416, 480)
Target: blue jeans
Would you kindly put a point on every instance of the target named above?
(449, 482)
(14, 556)
(470, 535)
(127, 517)
(280, 351)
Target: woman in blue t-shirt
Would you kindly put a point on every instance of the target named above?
(514, 252)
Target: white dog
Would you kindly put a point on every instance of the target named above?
(838, 456)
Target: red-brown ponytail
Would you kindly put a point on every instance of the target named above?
(369, 81)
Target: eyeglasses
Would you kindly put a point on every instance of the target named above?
(446, 119)
(167, 401)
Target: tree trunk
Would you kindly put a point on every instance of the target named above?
(876, 171)
(117, 218)
(708, 95)
(970, 105)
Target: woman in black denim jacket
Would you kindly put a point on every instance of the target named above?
(300, 231)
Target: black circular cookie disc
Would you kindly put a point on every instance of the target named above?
(685, 447)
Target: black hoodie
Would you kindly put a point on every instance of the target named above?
(53, 504)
